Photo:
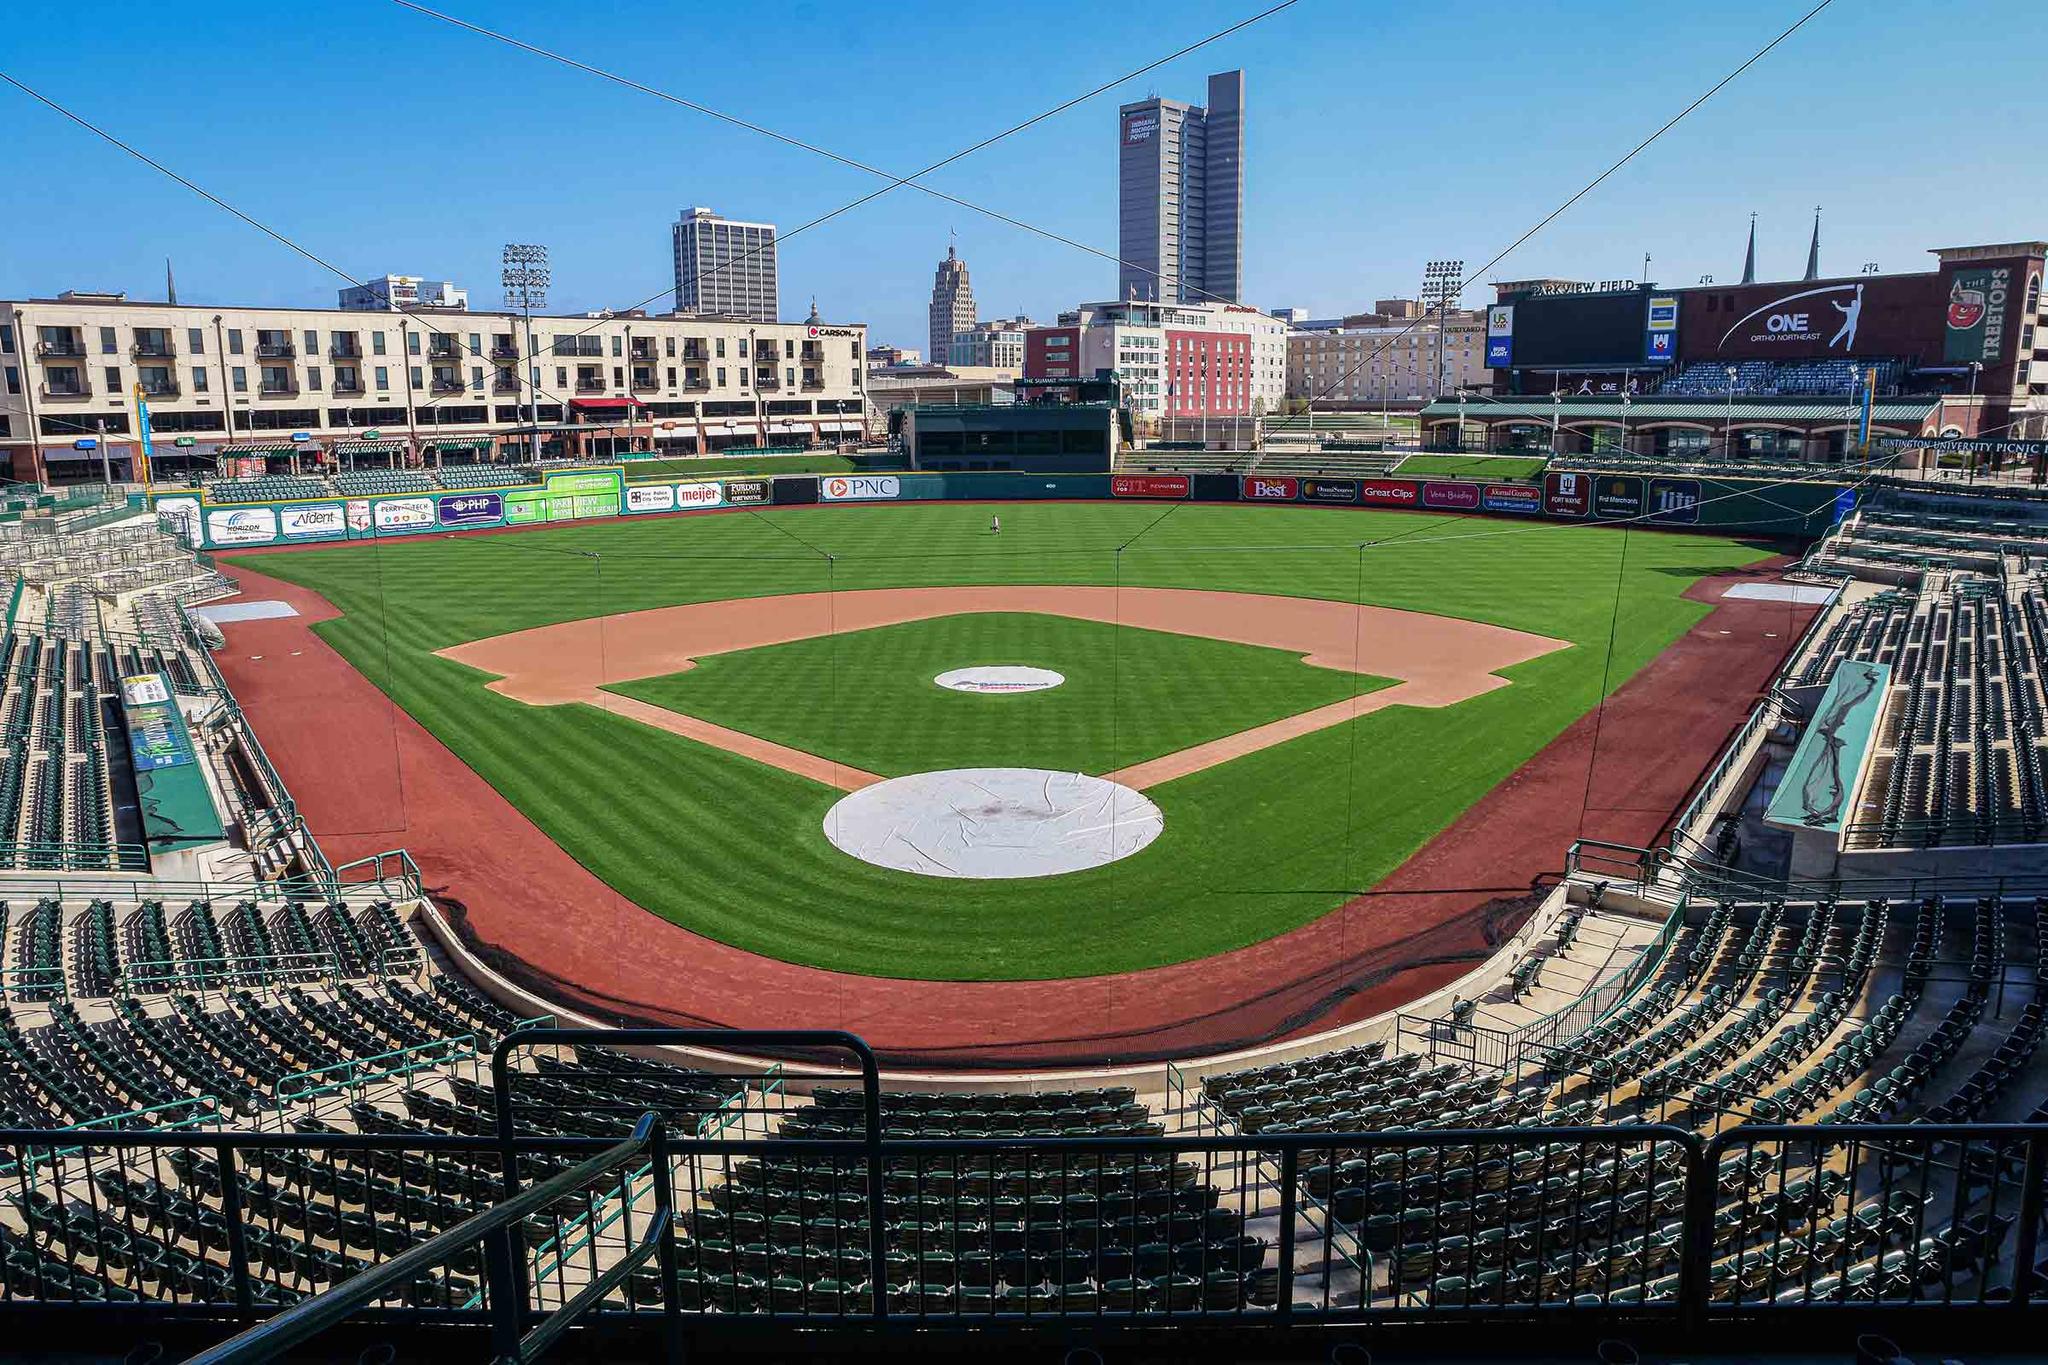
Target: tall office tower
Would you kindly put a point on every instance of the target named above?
(952, 305)
(725, 268)
(1180, 180)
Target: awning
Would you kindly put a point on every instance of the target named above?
(368, 447)
(604, 404)
(468, 443)
(259, 448)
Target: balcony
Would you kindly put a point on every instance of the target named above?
(811, 351)
(767, 380)
(504, 350)
(344, 350)
(278, 388)
(62, 391)
(645, 383)
(60, 350)
(276, 350)
(504, 384)
(813, 385)
(442, 353)
(153, 350)
(342, 385)
(447, 383)
(696, 351)
(589, 385)
(642, 355)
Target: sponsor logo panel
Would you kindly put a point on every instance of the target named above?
(1329, 490)
(241, 526)
(358, 515)
(1148, 486)
(471, 509)
(699, 495)
(858, 487)
(1511, 497)
(1567, 495)
(1262, 488)
(308, 523)
(404, 514)
(1676, 501)
(1454, 496)
(660, 497)
(1500, 336)
(1617, 495)
(183, 516)
(1976, 315)
(745, 492)
(1390, 492)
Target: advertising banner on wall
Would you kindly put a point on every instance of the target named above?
(1511, 497)
(651, 497)
(317, 521)
(1390, 492)
(157, 737)
(182, 516)
(1567, 495)
(1675, 502)
(1660, 329)
(471, 509)
(1269, 488)
(1451, 497)
(1616, 496)
(241, 526)
(404, 514)
(1802, 320)
(746, 492)
(1329, 490)
(1148, 486)
(1976, 313)
(1500, 336)
(859, 487)
(699, 495)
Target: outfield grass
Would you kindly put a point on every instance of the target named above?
(1471, 466)
(1250, 849)
(709, 466)
(867, 698)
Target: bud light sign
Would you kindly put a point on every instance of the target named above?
(471, 509)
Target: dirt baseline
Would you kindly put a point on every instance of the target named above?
(1439, 660)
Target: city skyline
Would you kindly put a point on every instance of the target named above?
(1337, 214)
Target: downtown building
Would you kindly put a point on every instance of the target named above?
(302, 386)
(1172, 360)
(1180, 197)
(725, 268)
(1384, 357)
(952, 306)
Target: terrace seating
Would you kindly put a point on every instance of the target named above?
(370, 482)
(485, 475)
(266, 488)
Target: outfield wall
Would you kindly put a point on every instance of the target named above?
(1720, 505)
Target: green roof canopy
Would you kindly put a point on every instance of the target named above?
(1889, 411)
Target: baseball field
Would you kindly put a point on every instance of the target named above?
(681, 703)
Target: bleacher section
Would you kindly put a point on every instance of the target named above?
(1818, 378)
(266, 488)
(485, 475)
(367, 482)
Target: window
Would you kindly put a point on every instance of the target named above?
(788, 349)
(618, 346)
(377, 347)
(234, 341)
(476, 375)
(312, 371)
(199, 379)
(13, 378)
(7, 340)
(618, 374)
(789, 376)
(113, 379)
(743, 348)
(238, 378)
(721, 353)
(476, 343)
(671, 352)
(108, 346)
(383, 375)
(671, 376)
(418, 376)
(195, 340)
(312, 345)
(721, 368)
(561, 377)
(412, 345)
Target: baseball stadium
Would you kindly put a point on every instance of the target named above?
(1294, 911)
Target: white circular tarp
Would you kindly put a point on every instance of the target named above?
(999, 679)
(993, 823)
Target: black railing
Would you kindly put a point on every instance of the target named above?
(846, 1220)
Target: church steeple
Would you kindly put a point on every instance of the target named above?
(1749, 261)
(1813, 248)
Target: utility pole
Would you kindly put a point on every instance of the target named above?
(525, 278)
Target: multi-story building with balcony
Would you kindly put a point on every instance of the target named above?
(306, 384)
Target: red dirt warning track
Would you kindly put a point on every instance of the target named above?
(368, 777)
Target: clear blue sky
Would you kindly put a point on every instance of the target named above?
(1380, 135)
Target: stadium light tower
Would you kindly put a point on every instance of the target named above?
(525, 277)
(1442, 283)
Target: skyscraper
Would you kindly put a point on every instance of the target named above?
(1180, 177)
(952, 305)
(726, 268)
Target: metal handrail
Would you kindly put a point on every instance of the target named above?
(312, 1316)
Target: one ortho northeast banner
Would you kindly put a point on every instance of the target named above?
(1814, 792)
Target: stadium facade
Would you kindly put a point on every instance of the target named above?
(312, 385)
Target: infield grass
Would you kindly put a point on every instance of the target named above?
(1250, 849)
